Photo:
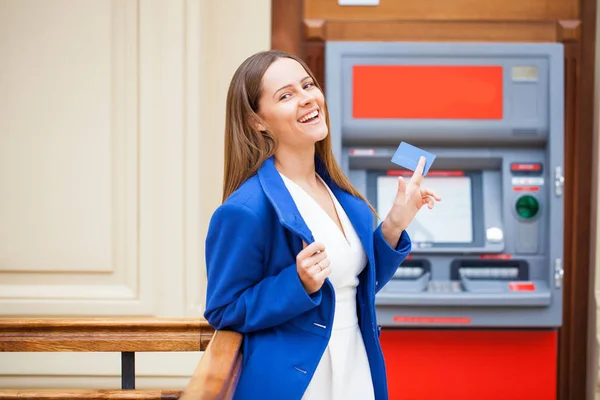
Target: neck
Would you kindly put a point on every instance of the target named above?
(297, 165)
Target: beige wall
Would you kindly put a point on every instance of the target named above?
(111, 131)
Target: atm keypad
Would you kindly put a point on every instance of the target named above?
(489, 273)
(408, 272)
(444, 287)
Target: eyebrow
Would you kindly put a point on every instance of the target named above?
(289, 85)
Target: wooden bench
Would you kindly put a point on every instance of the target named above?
(215, 376)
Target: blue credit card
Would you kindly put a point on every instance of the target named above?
(407, 156)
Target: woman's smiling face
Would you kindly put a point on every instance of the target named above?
(291, 105)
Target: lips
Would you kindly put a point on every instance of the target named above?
(309, 116)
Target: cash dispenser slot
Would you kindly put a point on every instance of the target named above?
(412, 276)
(497, 270)
(471, 283)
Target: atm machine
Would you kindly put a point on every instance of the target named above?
(473, 312)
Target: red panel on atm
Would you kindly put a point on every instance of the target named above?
(470, 364)
(427, 92)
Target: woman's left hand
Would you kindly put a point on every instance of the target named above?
(409, 200)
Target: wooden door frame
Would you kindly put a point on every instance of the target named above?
(287, 33)
(580, 240)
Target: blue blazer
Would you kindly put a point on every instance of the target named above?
(254, 288)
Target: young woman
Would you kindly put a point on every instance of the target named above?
(292, 260)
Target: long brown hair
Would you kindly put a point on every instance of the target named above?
(246, 149)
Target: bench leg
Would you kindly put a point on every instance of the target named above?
(127, 370)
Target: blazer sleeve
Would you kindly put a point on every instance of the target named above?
(239, 295)
(387, 258)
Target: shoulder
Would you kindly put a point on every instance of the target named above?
(248, 202)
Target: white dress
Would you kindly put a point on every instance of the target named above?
(343, 372)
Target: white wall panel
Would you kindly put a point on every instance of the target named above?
(68, 156)
(112, 115)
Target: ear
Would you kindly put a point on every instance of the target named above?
(257, 124)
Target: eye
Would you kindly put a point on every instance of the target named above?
(308, 85)
(285, 96)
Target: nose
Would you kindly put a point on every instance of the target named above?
(307, 98)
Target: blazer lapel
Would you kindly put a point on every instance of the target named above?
(357, 211)
(289, 216)
(282, 201)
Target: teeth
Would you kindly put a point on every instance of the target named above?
(309, 116)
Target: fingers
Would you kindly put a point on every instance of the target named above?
(310, 250)
(432, 193)
(324, 273)
(313, 266)
(320, 270)
(429, 197)
(429, 201)
(401, 188)
(313, 263)
(417, 176)
(314, 259)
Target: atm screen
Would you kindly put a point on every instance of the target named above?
(450, 221)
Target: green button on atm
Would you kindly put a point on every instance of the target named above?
(527, 207)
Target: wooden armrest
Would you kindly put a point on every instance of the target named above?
(215, 377)
(217, 373)
(104, 334)
(43, 394)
